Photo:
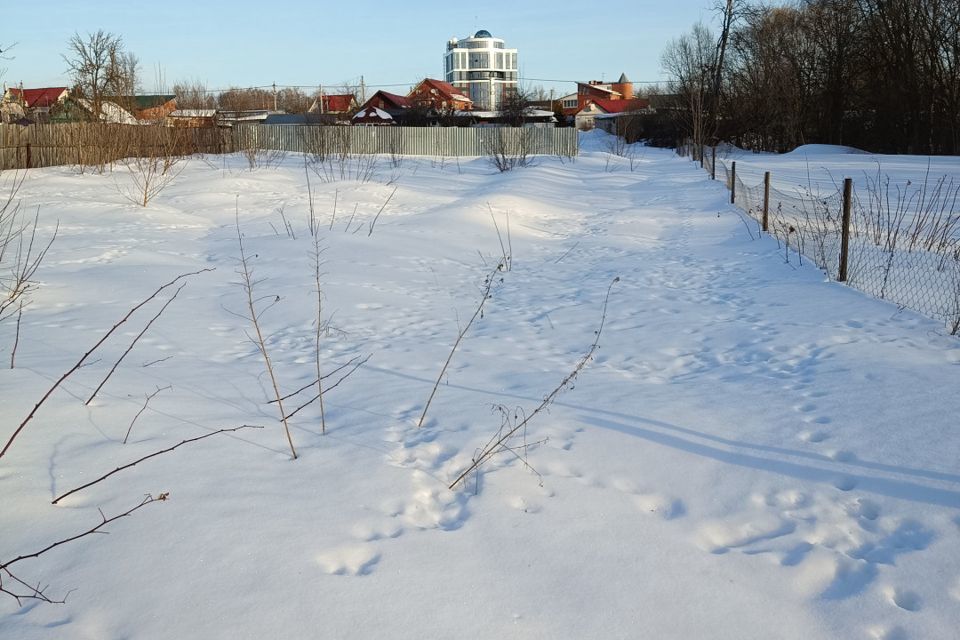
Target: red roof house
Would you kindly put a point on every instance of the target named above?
(596, 107)
(389, 102)
(440, 96)
(38, 98)
(334, 103)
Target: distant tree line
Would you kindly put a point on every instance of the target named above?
(882, 75)
(195, 95)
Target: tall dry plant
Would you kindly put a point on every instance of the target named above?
(477, 313)
(515, 423)
(248, 283)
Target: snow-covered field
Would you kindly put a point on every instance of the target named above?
(754, 451)
(821, 168)
(905, 218)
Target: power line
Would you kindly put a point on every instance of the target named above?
(578, 81)
(335, 85)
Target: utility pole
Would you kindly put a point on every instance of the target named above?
(274, 96)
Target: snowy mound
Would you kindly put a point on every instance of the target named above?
(824, 150)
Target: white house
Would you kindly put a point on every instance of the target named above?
(482, 68)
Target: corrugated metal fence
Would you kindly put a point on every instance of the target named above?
(420, 141)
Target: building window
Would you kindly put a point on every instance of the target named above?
(480, 61)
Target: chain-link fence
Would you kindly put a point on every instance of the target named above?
(904, 238)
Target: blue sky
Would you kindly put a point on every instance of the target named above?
(391, 44)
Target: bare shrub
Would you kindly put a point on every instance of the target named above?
(508, 147)
(514, 423)
(21, 254)
(152, 169)
(332, 156)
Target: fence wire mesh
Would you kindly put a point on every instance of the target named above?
(904, 242)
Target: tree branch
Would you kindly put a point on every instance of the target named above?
(80, 362)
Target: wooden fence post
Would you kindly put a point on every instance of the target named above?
(701, 155)
(845, 230)
(713, 163)
(766, 198)
(29, 156)
(733, 182)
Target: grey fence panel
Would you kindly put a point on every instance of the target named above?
(417, 141)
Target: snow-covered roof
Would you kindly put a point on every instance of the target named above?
(373, 112)
(110, 112)
(193, 113)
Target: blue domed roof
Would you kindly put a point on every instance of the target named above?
(483, 33)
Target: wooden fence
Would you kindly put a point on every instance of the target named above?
(418, 141)
(96, 144)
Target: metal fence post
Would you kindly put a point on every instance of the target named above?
(733, 182)
(766, 198)
(845, 230)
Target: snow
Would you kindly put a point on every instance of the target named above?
(824, 150)
(754, 452)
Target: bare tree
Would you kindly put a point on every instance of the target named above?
(5, 55)
(293, 100)
(237, 99)
(100, 67)
(193, 94)
(689, 61)
(514, 107)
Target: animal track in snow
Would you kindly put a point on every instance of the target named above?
(906, 600)
(721, 536)
(814, 436)
(368, 532)
(841, 455)
(836, 543)
(523, 504)
(845, 483)
(955, 590)
(348, 560)
(433, 505)
(887, 633)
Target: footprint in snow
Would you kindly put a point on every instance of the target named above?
(814, 436)
(905, 599)
(887, 633)
(348, 560)
(955, 591)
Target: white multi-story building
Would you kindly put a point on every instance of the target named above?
(482, 68)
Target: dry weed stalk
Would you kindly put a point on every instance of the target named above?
(511, 427)
(16, 336)
(248, 284)
(146, 402)
(478, 312)
(83, 359)
(147, 457)
(21, 590)
(133, 343)
(382, 207)
(354, 363)
(320, 326)
(20, 256)
(506, 251)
